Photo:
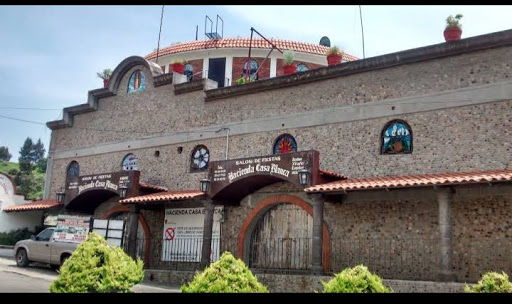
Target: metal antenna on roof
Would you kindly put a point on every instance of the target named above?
(362, 31)
(160, 32)
(248, 74)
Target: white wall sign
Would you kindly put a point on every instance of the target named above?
(72, 228)
(6, 191)
(183, 234)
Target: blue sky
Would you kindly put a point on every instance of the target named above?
(49, 55)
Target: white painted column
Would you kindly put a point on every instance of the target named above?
(206, 62)
(273, 67)
(229, 71)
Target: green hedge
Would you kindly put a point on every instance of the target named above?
(12, 237)
(355, 280)
(491, 282)
(96, 267)
(226, 275)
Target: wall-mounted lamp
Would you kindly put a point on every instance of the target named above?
(122, 191)
(60, 196)
(205, 185)
(304, 177)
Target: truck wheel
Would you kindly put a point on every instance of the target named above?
(64, 258)
(22, 258)
(55, 267)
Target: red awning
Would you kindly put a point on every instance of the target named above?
(414, 181)
(163, 196)
(37, 205)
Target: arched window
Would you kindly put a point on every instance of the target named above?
(199, 159)
(129, 162)
(73, 169)
(254, 68)
(137, 82)
(285, 143)
(302, 67)
(189, 71)
(396, 138)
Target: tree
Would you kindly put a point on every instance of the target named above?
(26, 152)
(38, 151)
(41, 164)
(4, 154)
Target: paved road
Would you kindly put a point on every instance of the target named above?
(38, 278)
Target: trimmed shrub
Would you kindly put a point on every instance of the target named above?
(228, 274)
(96, 267)
(355, 280)
(491, 282)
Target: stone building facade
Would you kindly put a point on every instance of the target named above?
(440, 211)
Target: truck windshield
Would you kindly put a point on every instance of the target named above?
(45, 235)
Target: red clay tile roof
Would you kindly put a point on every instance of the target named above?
(37, 205)
(414, 181)
(258, 43)
(151, 187)
(163, 196)
(332, 174)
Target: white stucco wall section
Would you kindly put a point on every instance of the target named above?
(15, 220)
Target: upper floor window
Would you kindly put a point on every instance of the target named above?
(254, 68)
(199, 159)
(137, 82)
(396, 138)
(73, 169)
(285, 143)
(189, 71)
(129, 162)
(302, 67)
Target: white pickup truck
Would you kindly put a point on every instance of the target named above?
(43, 248)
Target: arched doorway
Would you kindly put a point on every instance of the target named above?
(281, 240)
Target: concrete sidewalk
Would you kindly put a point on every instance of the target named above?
(44, 273)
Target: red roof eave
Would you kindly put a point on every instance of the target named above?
(163, 196)
(414, 181)
(37, 205)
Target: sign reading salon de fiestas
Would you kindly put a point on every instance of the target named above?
(183, 234)
(77, 185)
(284, 166)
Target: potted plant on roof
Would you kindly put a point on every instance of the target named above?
(105, 75)
(178, 65)
(334, 55)
(453, 29)
(288, 67)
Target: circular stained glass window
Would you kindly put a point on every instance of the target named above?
(285, 143)
(200, 158)
(302, 67)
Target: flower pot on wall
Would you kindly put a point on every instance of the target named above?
(178, 68)
(289, 69)
(333, 59)
(452, 34)
(105, 83)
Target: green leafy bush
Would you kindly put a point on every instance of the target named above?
(355, 280)
(228, 274)
(12, 237)
(288, 57)
(491, 282)
(95, 267)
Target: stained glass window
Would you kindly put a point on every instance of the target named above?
(73, 169)
(254, 68)
(137, 82)
(285, 143)
(200, 158)
(189, 71)
(396, 138)
(302, 67)
(129, 162)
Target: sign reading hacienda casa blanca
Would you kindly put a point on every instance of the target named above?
(77, 185)
(284, 166)
(183, 234)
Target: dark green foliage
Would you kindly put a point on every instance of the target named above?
(4, 154)
(25, 166)
(38, 151)
(41, 164)
(355, 280)
(26, 151)
(12, 237)
(96, 267)
(491, 282)
(228, 275)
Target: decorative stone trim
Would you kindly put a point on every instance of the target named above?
(195, 85)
